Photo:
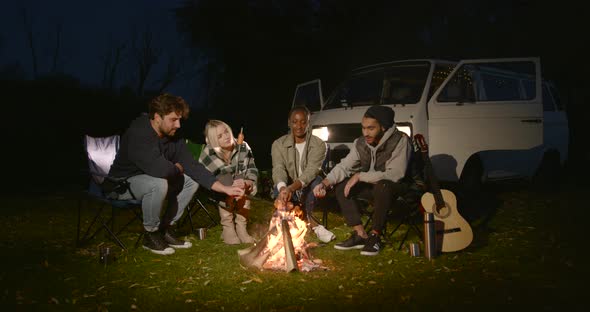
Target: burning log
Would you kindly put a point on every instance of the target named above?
(283, 247)
(288, 246)
(255, 256)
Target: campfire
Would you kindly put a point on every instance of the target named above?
(283, 247)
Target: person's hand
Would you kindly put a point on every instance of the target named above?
(351, 182)
(239, 183)
(319, 191)
(233, 191)
(249, 186)
(180, 168)
(285, 194)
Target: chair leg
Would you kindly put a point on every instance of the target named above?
(403, 239)
(86, 237)
(190, 218)
(207, 212)
(104, 224)
(117, 240)
(78, 227)
(139, 239)
(191, 212)
(325, 216)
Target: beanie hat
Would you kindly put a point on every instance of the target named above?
(384, 115)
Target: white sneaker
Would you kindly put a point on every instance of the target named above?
(323, 234)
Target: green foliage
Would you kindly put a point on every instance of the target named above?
(530, 252)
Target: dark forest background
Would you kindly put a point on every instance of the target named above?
(257, 51)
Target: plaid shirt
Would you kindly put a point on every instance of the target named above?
(218, 166)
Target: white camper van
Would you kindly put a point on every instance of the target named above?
(482, 119)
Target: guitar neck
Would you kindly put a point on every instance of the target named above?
(433, 181)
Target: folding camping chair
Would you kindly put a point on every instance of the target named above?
(101, 153)
(196, 204)
(406, 209)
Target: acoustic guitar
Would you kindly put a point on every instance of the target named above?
(452, 230)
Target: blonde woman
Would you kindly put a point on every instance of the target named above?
(232, 162)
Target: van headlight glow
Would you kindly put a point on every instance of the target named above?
(322, 133)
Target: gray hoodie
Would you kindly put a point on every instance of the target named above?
(395, 166)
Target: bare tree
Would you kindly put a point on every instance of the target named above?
(173, 69)
(28, 25)
(179, 66)
(112, 59)
(147, 55)
(56, 51)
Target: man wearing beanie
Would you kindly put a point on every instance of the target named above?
(372, 169)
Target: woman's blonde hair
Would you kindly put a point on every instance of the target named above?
(211, 134)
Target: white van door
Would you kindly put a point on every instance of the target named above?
(492, 106)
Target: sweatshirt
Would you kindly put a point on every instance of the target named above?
(142, 152)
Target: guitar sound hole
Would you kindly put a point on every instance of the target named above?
(442, 212)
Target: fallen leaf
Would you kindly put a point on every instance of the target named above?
(257, 279)
(133, 285)
(206, 283)
(188, 292)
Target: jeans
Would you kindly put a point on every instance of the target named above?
(305, 196)
(153, 191)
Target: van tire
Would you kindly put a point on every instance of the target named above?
(471, 199)
(548, 175)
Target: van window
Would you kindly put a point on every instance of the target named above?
(490, 83)
(460, 88)
(393, 84)
(441, 72)
(404, 84)
(308, 95)
(361, 90)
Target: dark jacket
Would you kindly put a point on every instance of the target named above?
(143, 152)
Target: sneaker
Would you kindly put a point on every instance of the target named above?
(154, 242)
(353, 242)
(372, 246)
(323, 234)
(173, 241)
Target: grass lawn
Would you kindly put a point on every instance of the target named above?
(530, 253)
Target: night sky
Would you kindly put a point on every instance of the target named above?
(89, 28)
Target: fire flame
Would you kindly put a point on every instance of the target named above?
(275, 245)
(274, 251)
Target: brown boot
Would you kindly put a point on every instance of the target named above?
(228, 234)
(241, 223)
